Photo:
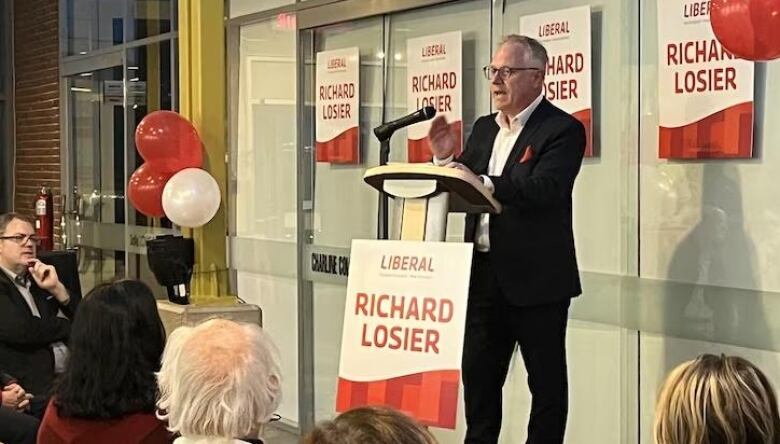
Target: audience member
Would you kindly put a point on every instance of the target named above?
(35, 309)
(108, 391)
(16, 427)
(717, 400)
(370, 425)
(219, 383)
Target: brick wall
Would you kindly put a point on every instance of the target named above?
(37, 83)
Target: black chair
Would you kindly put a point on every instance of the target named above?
(66, 264)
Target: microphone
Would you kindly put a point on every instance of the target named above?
(385, 130)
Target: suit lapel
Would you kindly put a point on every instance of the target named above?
(487, 150)
(13, 293)
(42, 300)
(530, 127)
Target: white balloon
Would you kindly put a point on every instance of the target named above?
(191, 198)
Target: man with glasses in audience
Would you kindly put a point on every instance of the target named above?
(524, 272)
(35, 312)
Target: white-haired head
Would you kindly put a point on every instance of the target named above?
(219, 379)
(535, 53)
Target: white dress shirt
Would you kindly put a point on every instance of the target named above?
(60, 349)
(508, 132)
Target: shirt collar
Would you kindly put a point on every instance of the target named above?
(521, 118)
(13, 276)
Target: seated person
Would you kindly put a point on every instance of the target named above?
(717, 400)
(219, 383)
(370, 425)
(35, 309)
(108, 391)
(16, 427)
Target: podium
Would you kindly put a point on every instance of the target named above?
(424, 194)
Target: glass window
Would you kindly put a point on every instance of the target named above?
(263, 247)
(709, 233)
(93, 24)
(150, 18)
(97, 24)
(245, 7)
(709, 222)
(605, 192)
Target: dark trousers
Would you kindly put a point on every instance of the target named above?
(493, 329)
(16, 427)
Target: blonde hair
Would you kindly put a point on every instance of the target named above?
(219, 379)
(717, 400)
(375, 425)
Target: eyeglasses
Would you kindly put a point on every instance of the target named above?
(503, 72)
(21, 239)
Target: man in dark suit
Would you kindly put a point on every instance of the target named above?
(525, 268)
(35, 311)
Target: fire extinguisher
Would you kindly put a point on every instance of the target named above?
(44, 219)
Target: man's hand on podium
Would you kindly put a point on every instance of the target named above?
(441, 137)
(460, 167)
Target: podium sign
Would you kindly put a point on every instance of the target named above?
(404, 322)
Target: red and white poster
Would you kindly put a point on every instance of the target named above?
(705, 94)
(338, 106)
(565, 35)
(404, 322)
(434, 79)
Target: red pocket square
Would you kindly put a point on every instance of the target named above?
(527, 155)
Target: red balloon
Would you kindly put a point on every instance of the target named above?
(170, 141)
(749, 29)
(146, 187)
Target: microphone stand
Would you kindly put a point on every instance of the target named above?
(382, 216)
(383, 133)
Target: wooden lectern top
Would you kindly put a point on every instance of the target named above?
(467, 194)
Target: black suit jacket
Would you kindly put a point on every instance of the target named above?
(25, 340)
(531, 241)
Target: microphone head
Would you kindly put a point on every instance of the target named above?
(429, 112)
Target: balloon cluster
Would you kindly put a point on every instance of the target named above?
(171, 182)
(749, 29)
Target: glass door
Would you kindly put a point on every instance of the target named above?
(342, 206)
(103, 107)
(94, 223)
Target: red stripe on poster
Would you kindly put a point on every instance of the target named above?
(727, 134)
(430, 397)
(584, 117)
(343, 148)
(419, 150)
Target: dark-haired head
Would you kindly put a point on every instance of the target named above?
(116, 341)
